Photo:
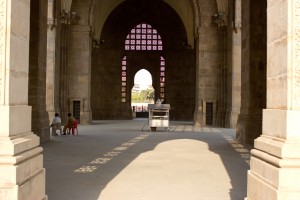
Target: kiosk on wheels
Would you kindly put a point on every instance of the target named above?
(158, 116)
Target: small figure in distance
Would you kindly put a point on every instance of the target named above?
(71, 122)
(56, 124)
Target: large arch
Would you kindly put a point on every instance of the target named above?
(276, 150)
(102, 9)
(108, 55)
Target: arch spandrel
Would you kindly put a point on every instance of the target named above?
(101, 11)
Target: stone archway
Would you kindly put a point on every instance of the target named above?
(276, 151)
(177, 52)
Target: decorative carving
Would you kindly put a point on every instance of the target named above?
(218, 18)
(51, 23)
(237, 16)
(2, 45)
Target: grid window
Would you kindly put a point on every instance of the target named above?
(162, 78)
(143, 38)
(124, 77)
(143, 34)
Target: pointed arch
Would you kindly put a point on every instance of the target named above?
(143, 38)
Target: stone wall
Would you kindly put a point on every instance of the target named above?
(106, 86)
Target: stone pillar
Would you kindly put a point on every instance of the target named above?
(206, 70)
(236, 79)
(21, 161)
(79, 66)
(50, 74)
(37, 69)
(275, 162)
(63, 70)
(220, 20)
(222, 75)
(198, 114)
(253, 71)
(236, 65)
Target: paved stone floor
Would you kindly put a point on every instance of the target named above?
(117, 160)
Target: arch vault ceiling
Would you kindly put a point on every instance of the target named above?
(102, 9)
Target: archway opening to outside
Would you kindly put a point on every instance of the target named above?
(142, 93)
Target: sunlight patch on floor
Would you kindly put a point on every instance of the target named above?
(171, 172)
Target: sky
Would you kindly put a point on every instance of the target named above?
(143, 78)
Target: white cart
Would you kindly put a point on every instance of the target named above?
(158, 116)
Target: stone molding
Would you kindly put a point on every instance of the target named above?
(296, 59)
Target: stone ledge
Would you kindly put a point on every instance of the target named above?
(275, 176)
(14, 146)
(278, 147)
(13, 160)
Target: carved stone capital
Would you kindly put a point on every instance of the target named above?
(51, 23)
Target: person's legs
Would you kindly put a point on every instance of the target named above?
(65, 129)
(58, 127)
(55, 128)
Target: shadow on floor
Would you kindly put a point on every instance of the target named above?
(81, 167)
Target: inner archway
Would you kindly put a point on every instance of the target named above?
(142, 93)
(161, 52)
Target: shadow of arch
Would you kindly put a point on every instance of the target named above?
(118, 149)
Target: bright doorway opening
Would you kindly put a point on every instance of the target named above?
(142, 93)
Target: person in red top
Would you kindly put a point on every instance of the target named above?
(71, 122)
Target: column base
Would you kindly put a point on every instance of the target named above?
(220, 117)
(86, 117)
(21, 164)
(198, 118)
(233, 119)
(274, 172)
(40, 125)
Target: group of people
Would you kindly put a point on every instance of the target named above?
(56, 124)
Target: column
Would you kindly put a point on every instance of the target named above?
(221, 73)
(50, 72)
(275, 162)
(37, 69)
(198, 114)
(21, 161)
(62, 62)
(236, 66)
(207, 68)
(79, 66)
(253, 72)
